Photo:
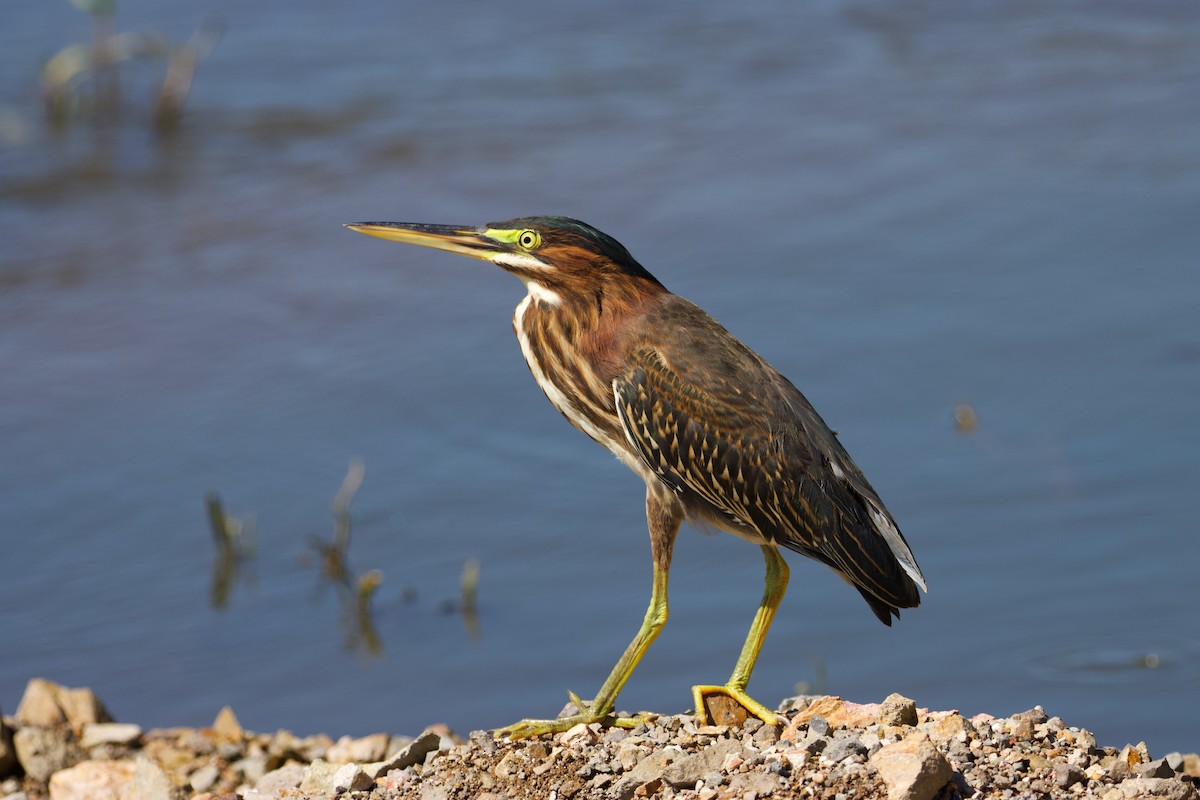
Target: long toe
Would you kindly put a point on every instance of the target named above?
(729, 705)
(539, 727)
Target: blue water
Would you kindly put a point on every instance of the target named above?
(904, 208)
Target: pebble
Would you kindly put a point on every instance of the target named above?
(912, 769)
(278, 780)
(897, 710)
(46, 704)
(150, 782)
(226, 726)
(96, 734)
(204, 778)
(349, 777)
(318, 777)
(42, 752)
(91, 780)
(415, 753)
(348, 750)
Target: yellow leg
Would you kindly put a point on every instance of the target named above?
(600, 709)
(664, 515)
(776, 585)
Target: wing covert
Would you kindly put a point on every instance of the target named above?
(764, 466)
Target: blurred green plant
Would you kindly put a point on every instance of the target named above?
(81, 81)
(820, 682)
(470, 594)
(234, 538)
(354, 593)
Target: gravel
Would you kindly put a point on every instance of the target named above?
(827, 748)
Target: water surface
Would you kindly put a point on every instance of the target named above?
(903, 208)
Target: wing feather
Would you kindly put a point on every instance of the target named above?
(761, 464)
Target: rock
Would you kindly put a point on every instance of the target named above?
(1066, 775)
(92, 780)
(1133, 755)
(798, 702)
(39, 705)
(1036, 715)
(724, 710)
(8, 755)
(1155, 769)
(276, 781)
(836, 711)
(349, 750)
(252, 767)
(206, 778)
(912, 769)
(843, 745)
(170, 756)
(350, 777)
(948, 728)
(1191, 765)
(149, 782)
(766, 736)
(1117, 768)
(414, 754)
(44, 751)
(897, 710)
(101, 733)
(683, 772)
(630, 751)
(652, 787)
(582, 734)
(486, 742)
(226, 727)
(648, 769)
(1166, 788)
(318, 778)
(753, 784)
(47, 704)
(124, 779)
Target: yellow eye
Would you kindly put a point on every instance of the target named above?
(529, 239)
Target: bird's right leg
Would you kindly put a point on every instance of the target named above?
(664, 515)
(735, 689)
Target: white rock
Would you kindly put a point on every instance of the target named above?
(44, 751)
(912, 768)
(348, 750)
(317, 777)
(46, 704)
(98, 733)
(350, 777)
(149, 782)
(204, 778)
(92, 780)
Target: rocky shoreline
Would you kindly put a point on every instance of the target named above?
(62, 744)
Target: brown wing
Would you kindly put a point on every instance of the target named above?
(745, 451)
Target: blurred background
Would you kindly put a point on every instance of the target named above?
(251, 458)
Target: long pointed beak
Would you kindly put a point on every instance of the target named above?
(466, 241)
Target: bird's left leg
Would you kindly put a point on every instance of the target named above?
(776, 585)
(664, 515)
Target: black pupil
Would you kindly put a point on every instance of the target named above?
(527, 239)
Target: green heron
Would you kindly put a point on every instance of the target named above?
(720, 438)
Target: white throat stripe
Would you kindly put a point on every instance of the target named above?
(520, 261)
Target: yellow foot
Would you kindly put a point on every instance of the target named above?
(713, 706)
(539, 727)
